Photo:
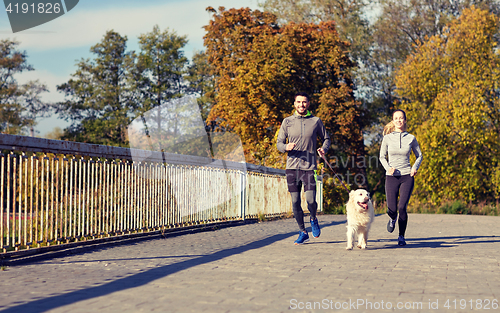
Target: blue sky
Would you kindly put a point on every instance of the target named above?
(55, 47)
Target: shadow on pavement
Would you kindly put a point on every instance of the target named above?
(136, 280)
(435, 242)
(133, 281)
(143, 278)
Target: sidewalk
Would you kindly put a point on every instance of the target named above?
(449, 259)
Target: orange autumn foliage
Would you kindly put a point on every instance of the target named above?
(259, 66)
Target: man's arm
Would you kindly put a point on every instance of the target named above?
(281, 142)
(326, 139)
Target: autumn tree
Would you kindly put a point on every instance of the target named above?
(349, 16)
(100, 96)
(20, 104)
(451, 94)
(259, 66)
(400, 25)
(397, 29)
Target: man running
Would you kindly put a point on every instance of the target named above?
(302, 130)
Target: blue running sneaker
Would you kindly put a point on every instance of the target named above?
(391, 225)
(315, 228)
(401, 241)
(303, 237)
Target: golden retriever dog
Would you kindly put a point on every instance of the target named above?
(360, 215)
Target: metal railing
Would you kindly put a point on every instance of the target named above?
(58, 192)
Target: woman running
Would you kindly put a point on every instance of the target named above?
(397, 144)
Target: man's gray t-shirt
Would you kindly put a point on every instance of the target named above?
(303, 131)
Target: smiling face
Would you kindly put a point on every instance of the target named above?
(301, 105)
(399, 120)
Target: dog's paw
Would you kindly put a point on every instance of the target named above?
(362, 247)
(349, 248)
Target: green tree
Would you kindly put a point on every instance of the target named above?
(101, 101)
(201, 82)
(20, 105)
(396, 32)
(160, 75)
(161, 67)
(451, 94)
(34, 106)
(401, 25)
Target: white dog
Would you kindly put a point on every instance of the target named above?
(360, 215)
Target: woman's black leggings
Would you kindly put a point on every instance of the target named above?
(402, 185)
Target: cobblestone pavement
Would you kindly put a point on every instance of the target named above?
(450, 264)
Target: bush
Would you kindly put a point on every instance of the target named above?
(333, 206)
(334, 197)
(456, 207)
(340, 209)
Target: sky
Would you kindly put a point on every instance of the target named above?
(54, 48)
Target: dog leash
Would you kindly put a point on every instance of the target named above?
(323, 156)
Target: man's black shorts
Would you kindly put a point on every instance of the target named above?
(295, 179)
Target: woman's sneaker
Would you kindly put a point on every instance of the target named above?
(315, 228)
(401, 241)
(391, 225)
(303, 237)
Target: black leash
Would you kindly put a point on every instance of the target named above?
(323, 156)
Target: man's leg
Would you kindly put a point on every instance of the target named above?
(294, 187)
(312, 205)
(310, 189)
(298, 213)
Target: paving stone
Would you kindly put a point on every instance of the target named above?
(256, 268)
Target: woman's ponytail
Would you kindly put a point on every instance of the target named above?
(389, 128)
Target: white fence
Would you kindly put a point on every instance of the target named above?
(58, 192)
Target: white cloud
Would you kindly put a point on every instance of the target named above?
(47, 124)
(85, 27)
(49, 79)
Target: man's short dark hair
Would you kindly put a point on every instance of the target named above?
(302, 94)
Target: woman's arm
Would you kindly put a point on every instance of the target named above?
(383, 155)
(418, 154)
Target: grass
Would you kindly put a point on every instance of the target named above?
(261, 217)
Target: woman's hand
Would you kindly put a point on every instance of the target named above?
(413, 172)
(391, 170)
